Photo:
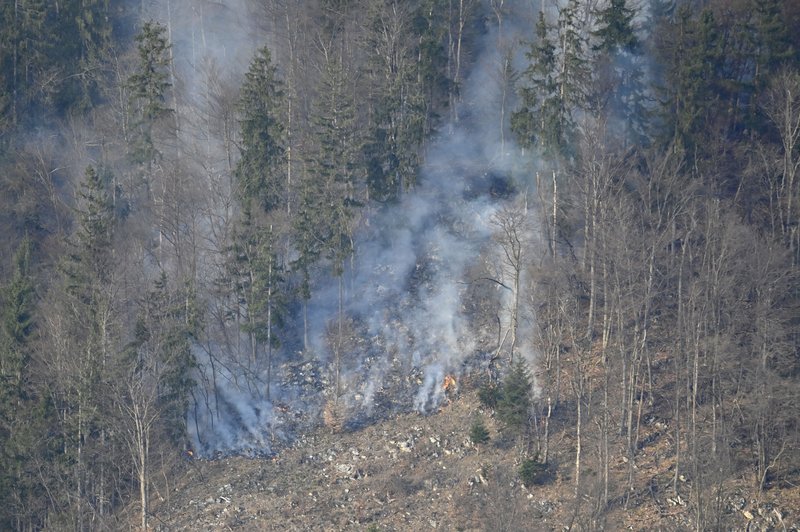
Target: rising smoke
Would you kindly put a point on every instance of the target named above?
(407, 284)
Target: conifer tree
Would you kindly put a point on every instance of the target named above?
(573, 74)
(398, 104)
(260, 175)
(430, 28)
(149, 86)
(257, 274)
(773, 52)
(90, 334)
(26, 55)
(20, 419)
(334, 170)
(17, 317)
(94, 25)
(537, 123)
(307, 244)
(616, 33)
(259, 172)
(555, 85)
(478, 433)
(151, 390)
(514, 404)
(689, 85)
(620, 89)
(774, 48)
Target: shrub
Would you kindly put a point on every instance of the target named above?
(534, 473)
(478, 433)
(489, 394)
(514, 402)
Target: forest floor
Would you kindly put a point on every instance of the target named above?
(415, 472)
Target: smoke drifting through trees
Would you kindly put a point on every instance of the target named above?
(313, 237)
(404, 287)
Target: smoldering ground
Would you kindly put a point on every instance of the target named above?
(405, 312)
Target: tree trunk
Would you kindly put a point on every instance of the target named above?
(269, 323)
(143, 499)
(578, 442)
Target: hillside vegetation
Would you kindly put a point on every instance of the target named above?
(449, 264)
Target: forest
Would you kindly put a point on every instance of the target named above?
(223, 224)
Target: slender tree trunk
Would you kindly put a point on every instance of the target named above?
(305, 324)
(680, 327)
(545, 453)
(578, 440)
(14, 68)
(553, 227)
(143, 499)
(269, 323)
(339, 337)
(79, 464)
(462, 22)
(604, 459)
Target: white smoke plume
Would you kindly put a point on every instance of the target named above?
(406, 288)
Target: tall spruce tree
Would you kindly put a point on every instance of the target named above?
(573, 74)
(774, 48)
(398, 103)
(259, 172)
(537, 122)
(620, 88)
(90, 336)
(149, 86)
(555, 85)
(257, 274)
(262, 187)
(308, 244)
(615, 33)
(334, 182)
(151, 392)
(21, 419)
(26, 56)
(514, 403)
(94, 23)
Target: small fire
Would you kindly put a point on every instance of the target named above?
(450, 384)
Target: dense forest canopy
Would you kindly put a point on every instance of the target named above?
(224, 223)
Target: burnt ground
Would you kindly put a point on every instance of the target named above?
(415, 472)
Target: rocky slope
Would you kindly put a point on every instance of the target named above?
(414, 472)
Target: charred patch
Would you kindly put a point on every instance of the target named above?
(490, 184)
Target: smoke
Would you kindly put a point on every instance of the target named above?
(406, 290)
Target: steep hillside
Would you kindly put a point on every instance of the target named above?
(414, 472)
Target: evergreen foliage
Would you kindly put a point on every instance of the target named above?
(20, 419)
(489, 394)
(400, 109)
(534, 473)
(257, 277)
(616, 33)
(149, 86)
(675, 142)
(538, 120)
(259, 172)
(514, 403)
(620, 87)
(478, 433)
(160, 356)
(332, 194)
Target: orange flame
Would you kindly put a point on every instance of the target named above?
(450, 384)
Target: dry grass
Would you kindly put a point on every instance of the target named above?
(416, 472)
